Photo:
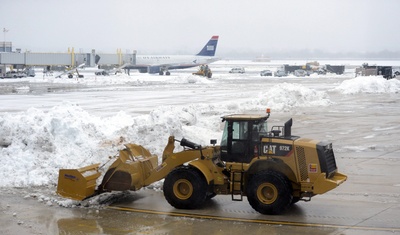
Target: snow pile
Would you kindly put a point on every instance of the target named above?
(152, 131)
(370, 84)
(35, 144)
(286, 96)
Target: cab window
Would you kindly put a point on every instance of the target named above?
(240, 131)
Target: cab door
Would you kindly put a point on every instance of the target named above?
(239, 141)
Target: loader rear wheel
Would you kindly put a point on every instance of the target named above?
(269, 192)
(185, 188)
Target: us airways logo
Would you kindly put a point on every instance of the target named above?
(276, 149)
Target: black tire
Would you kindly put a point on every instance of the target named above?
(211, 195)
(295, 200)
(185, 188)
(269, 192)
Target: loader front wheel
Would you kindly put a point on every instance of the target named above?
(185, 188)
(269, 192)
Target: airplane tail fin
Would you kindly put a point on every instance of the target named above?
(210, 48)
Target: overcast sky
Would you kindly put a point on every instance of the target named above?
(184, 26)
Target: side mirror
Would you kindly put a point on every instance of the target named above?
(213, 142)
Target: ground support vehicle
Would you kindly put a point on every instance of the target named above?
(237, 70)
(273, 169)
(266, 73)
(14, 74)
(280, 73)
(204, 71)
(373, 70)
(300, 73)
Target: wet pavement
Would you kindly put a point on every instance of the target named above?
(365, 204)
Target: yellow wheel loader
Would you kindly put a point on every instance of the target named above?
(204, 71)
(272, 168)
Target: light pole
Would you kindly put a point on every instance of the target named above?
(5, 31)
(4, 42)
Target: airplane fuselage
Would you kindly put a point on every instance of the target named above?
(174, 60)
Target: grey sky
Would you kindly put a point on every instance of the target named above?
(184, 26)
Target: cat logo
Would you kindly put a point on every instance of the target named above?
(276, 149)
(269, 149)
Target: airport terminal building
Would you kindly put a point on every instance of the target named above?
(16, 60)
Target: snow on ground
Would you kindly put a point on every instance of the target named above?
(35, 143)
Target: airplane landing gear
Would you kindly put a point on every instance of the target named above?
(162, 72)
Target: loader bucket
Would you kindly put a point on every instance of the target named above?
(129, 170)
(78, 184)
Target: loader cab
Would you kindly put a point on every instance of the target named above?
(241, 137)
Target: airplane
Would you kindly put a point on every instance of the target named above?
(161, 64)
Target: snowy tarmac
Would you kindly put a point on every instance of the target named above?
(49, 123)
